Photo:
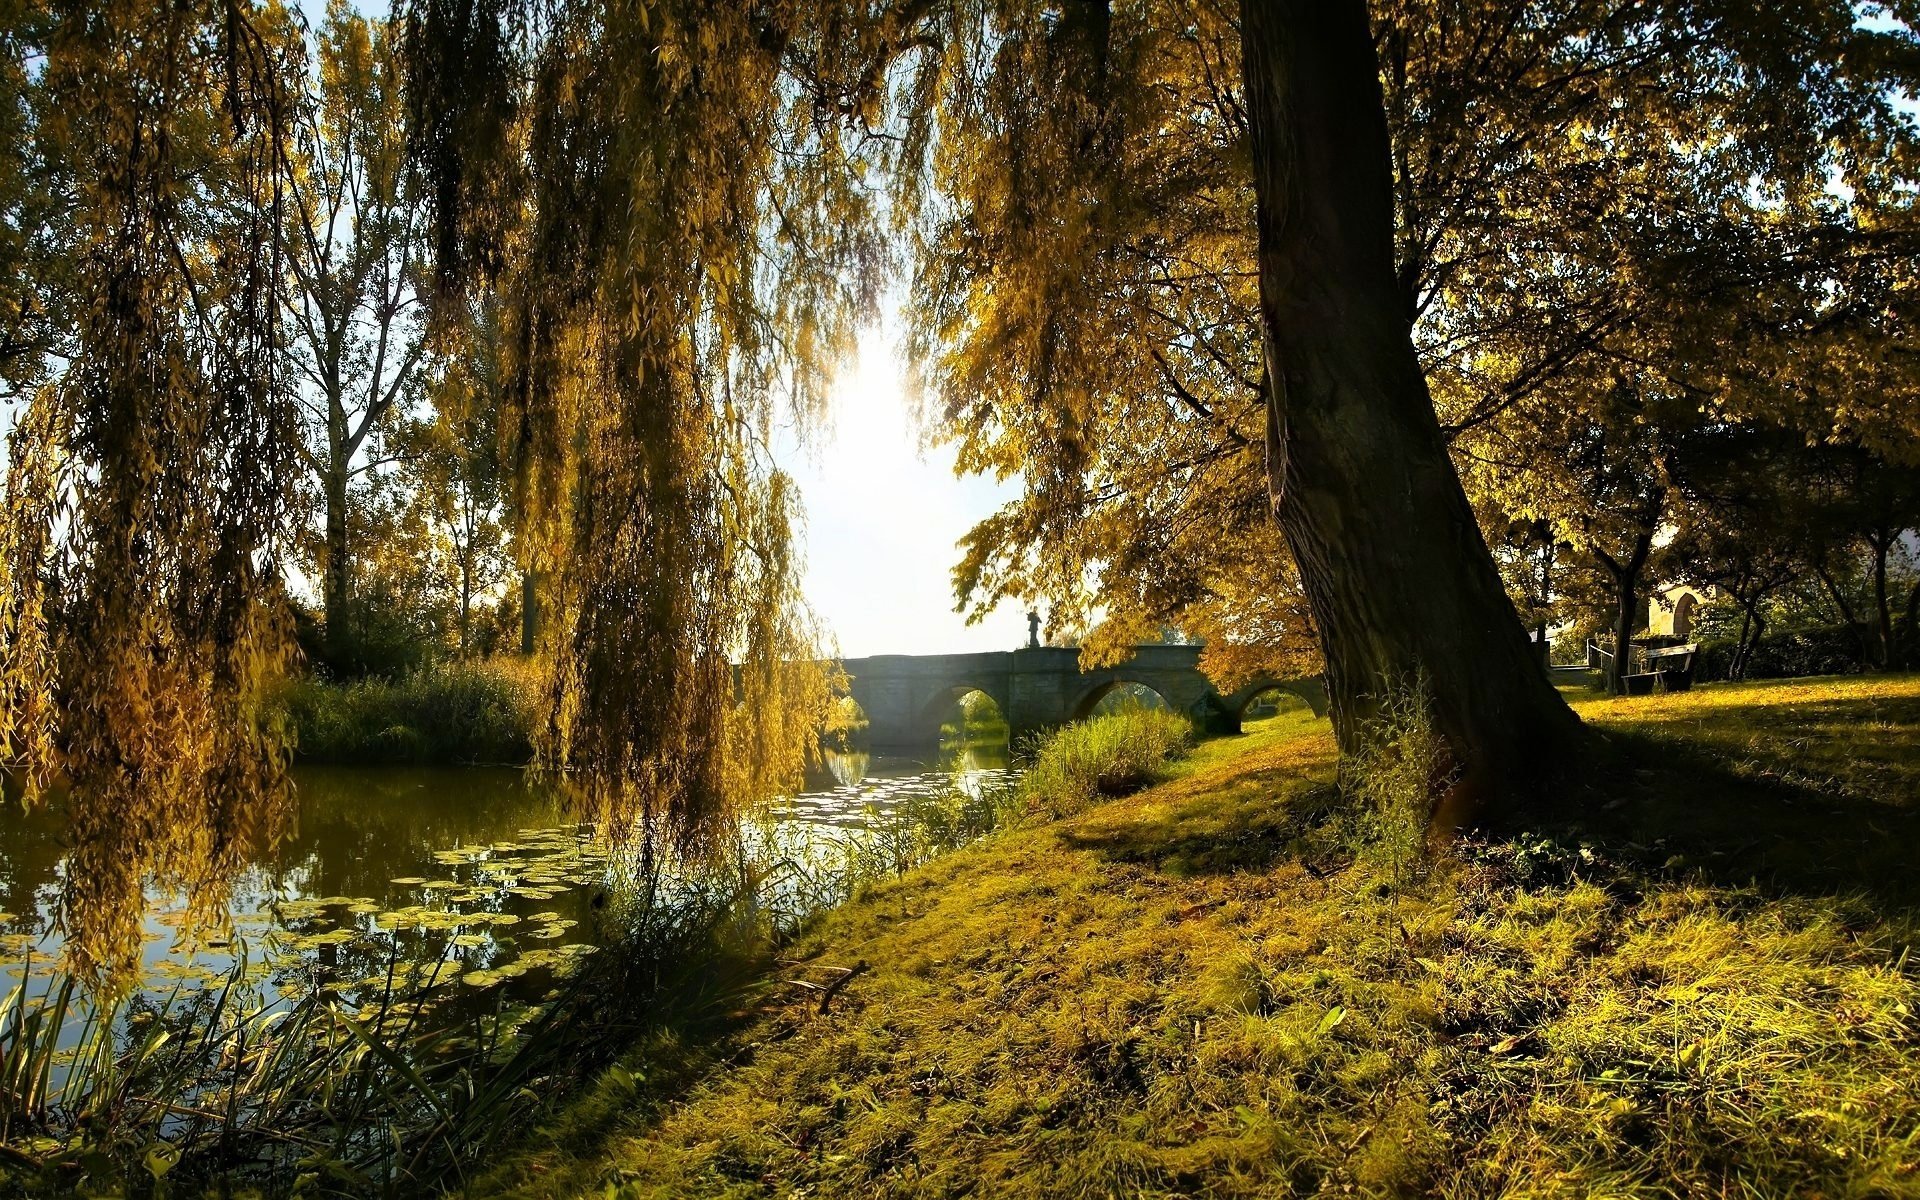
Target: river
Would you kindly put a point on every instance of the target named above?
(492, 873)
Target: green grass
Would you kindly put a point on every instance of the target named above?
(1693, 980)
(1108, 755)
(450, 714)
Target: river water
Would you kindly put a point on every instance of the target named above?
(495, 874)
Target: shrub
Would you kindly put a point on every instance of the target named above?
(454, 713)
(394, 631)
(1109, 755)
(1818, 650)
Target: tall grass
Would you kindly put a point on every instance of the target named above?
(1109, 755)
(450, 713)
(1394, 778)
(381, 1095)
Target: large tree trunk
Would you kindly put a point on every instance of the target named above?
(336, 583)
(1626, 606)
(1882, 545)
(1398, 574)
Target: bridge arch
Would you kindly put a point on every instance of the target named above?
(1310, 690)
(946, 698)
(1091, 698)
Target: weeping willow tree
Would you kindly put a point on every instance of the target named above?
(142, 615)
(670, 199)
(670, 203)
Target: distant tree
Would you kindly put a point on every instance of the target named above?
(356, 251)
(1596, 473)
(1743, 520)
(37, 197)
(455, 471)
(1855, 543)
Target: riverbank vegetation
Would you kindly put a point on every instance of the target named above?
(1695, 978)
(1109, 755)
(287, 1077)
(449, 713)
(392, 1065)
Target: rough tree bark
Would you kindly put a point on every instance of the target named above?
(336, 582)
(1395, 566)
(1626, 605)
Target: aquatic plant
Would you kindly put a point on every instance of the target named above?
(391, 1067)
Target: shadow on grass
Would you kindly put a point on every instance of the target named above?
(1677, 806)
(1222, 824)
(1816, 797)
(1199, 839)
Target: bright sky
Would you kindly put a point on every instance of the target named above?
(884, 518)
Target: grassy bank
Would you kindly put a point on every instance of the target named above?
(450, 714)
(1696, 981)
(390, 1060)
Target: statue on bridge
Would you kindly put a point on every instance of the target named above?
(1033, 629)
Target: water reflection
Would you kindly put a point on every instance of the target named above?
(468, 869)
(856, 785)
(375, 860)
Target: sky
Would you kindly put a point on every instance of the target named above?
(884, 517)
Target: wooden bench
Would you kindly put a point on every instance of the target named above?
(1669, 669)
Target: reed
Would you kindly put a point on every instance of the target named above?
(404, 1089)
(1107, 756)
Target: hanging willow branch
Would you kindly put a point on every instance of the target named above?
(677, 223)
(142, 615)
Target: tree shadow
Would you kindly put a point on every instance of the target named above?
(1680, 808)
(1762, 798)
(1249, 823)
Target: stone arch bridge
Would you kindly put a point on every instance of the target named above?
(907, 696)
